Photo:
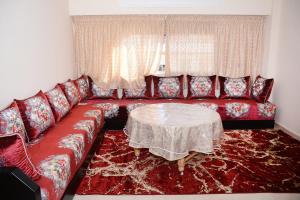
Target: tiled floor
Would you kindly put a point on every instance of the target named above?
(262, 196)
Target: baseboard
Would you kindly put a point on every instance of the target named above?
(287, 131)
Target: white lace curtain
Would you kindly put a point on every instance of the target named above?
(222, 45)
(117, 51)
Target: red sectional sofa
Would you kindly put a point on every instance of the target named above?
(235, 113)
(50, 144)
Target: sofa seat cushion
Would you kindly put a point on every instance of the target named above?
(59, 152)
(229, 109)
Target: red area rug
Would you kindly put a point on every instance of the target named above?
(246, 162)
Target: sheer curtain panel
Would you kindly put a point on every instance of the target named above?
(117, 51)
(206, 45)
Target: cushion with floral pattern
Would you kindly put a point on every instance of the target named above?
(58, 102)
(98, 92)
(71, 92)
(11, 121)
(13, 153)
(234, 87)
(82, 84)
(36, 114)
(168, 87)
(261, 89)
(201, 87)
(139, 93)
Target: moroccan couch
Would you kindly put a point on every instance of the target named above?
(48, 136)
(239, 105)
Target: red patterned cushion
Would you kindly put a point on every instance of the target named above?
(168, 87)
(82, 84)
(58, 102)
(139, 93)
(13, 153)
(261, 89)
(201, 87)
(101, 93)
(11, 121)
(36, 114)
(71, 92)
(237, 88)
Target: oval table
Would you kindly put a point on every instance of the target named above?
(173, 130)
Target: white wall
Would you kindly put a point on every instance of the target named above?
(35, 47)
(282, 61)
(212, 7)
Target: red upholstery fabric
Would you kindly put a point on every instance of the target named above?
(36, 114)
(261, 89)
(168, 87)
(229, 109)
(82, 85)
(235, 88)
(63, 148)
(101, 93)
(11, 121)
(58, 102)
(13, 153)
(141, 93)
(71, 92)
(201, 86)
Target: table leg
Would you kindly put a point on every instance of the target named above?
(137, 152)
(181, 162)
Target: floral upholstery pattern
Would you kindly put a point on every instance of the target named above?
(58, 102)
(258, 86)
(266, 110)
(83, 86)
(88, 126)
(75, 142)
(236, 110)
(94, 114)
(57, 169)
(135, 93)
(261, 89)
(169, 87)
(102, 92)
(110, 110)
(36, 114)
(211, 106)
(234, 87)
(71, 93)
(131, 107)
(11, 121)
(201, 86)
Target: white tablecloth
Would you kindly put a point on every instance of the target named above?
(172, 130)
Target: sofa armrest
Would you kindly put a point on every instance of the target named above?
(15, 185)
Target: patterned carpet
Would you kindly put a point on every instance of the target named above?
(248, 161)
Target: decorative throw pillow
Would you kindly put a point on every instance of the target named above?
(36, 114)
(11, 121)
(261, 89)
(71, 92)
(168, 87)
(58, 102)
(234, 87)
(101, 93)
(139, 93)
(13, 153)
(201, 86)
(82, 84)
